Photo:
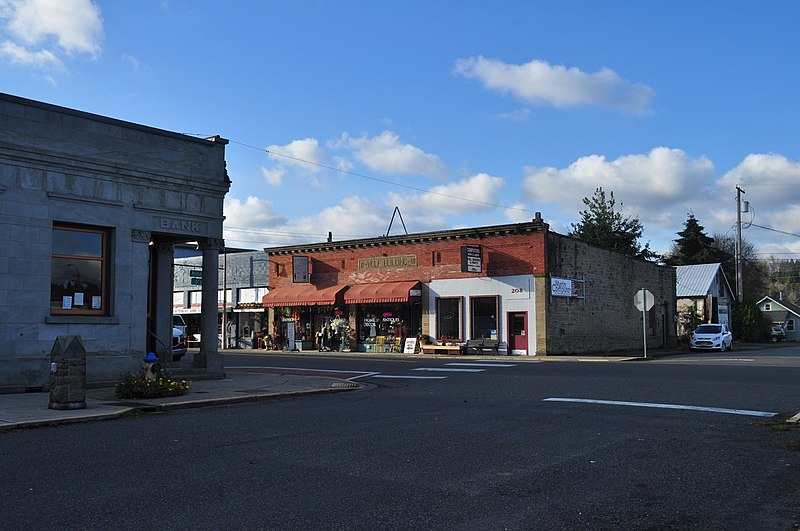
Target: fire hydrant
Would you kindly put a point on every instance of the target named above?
(151, 366)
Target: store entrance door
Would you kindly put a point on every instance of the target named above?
(518, 333)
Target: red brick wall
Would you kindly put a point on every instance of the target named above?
(507, 254)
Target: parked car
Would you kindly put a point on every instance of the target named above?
(777, 334)
(179, 322)
(711, 337)
(179, 344)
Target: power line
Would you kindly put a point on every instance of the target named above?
(775, 230)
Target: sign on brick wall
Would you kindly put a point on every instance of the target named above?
(387, 262)
(471, 261)
(567, 287)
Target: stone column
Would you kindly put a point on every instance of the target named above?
(209, 357)
(164, 254)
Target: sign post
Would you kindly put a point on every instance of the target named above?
(643, 301)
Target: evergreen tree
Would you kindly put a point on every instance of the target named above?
(601, 225)
(693, 246)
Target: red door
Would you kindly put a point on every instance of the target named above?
(518, 333)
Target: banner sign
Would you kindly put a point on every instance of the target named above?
(566, 287)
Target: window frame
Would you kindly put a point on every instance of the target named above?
(104, 259)
(472, 301)
(459, 318)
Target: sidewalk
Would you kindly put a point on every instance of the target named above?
(24, 410)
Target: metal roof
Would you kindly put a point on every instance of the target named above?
(695, 280)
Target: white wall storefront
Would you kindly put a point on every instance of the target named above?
(514, 295)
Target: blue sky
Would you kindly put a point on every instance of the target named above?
(460, 113)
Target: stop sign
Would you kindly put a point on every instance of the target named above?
(644, 300)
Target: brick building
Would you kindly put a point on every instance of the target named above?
(534, 291)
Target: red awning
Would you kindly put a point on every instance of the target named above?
(385, 292)
(304, 295)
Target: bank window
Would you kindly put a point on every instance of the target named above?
(483, 316)
(79, 271)
(448, 319)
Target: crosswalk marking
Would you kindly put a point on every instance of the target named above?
(482, 364)
(444, 369)
(408, 377)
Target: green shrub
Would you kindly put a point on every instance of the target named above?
(160, 386)
(748, 322)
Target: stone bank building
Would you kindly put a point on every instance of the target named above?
(533, 291)
(90, 209)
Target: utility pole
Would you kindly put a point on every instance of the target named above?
(739, 258)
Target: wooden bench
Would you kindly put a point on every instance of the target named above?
(445, 349)
(481, 346)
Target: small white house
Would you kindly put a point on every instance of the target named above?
(702, 290)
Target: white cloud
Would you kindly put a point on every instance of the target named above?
(771, 183)
(41, 30)
(256, 223)
(305, 154)
(663, 174)
(305, 157)
(254, 212)
(274, 176)
(518, 213)
(542, 83)
(432, 207)
(658, 188)
(387, 154)
(353, 217)
(16, 54)
(786, 219)
(772, 177)
(247, 223)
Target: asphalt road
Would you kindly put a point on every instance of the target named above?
(439, 443)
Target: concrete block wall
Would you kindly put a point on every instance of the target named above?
(606, 319)
(62, 165)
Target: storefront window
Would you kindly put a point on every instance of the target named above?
(383, 320)
(79, 271)
(483, 315)
(448, 319)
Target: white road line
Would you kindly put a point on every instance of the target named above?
(441, 369)
(666, 406)
(293, 369)
(728, 359)
(482, 364)
(400, 377)
(363, 375)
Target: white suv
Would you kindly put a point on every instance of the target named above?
(711, 337)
